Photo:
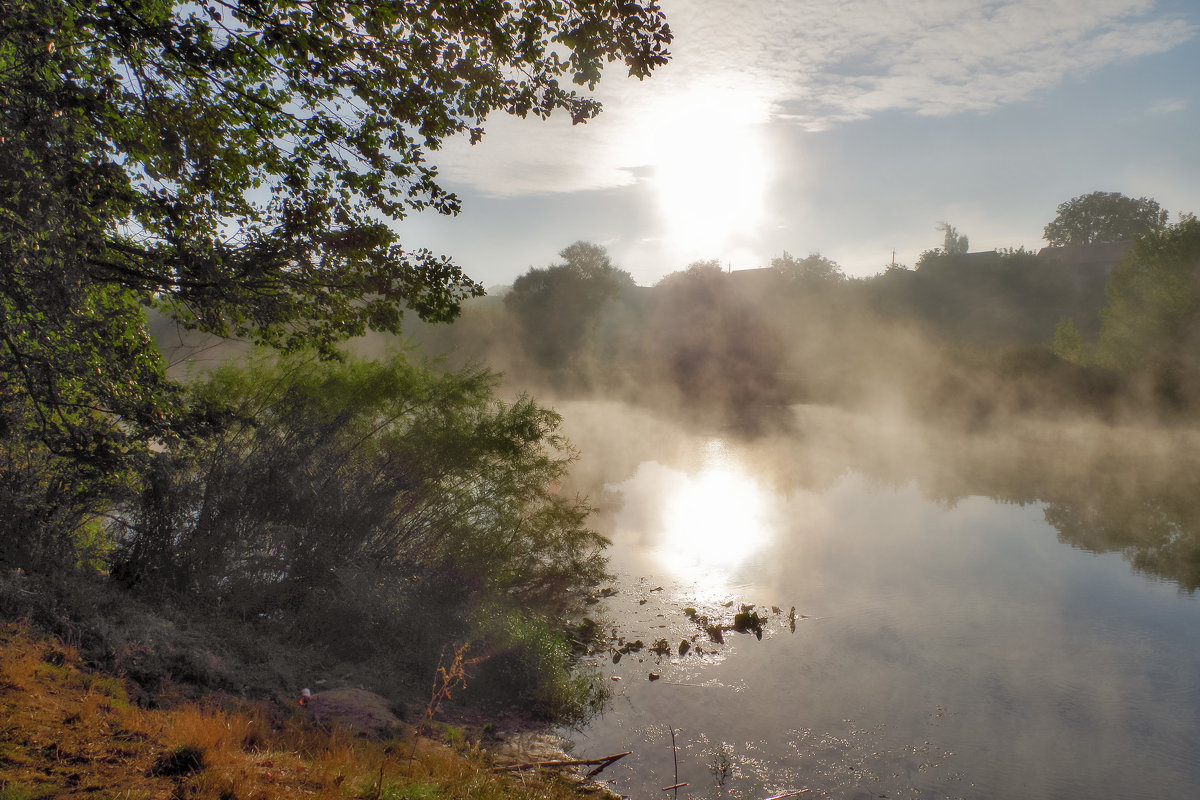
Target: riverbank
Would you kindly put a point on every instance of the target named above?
(68, 730)
(96, 686)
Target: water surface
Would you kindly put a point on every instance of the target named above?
(976, 615)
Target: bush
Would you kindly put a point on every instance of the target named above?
(370, 507)
(529, 663)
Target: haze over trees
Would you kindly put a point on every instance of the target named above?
(559, 306)
(1151, 324)
(968, 336)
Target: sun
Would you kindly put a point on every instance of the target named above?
(708, 165)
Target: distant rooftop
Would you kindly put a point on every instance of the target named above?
(1102, 256)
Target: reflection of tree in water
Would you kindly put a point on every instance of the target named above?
(1133, 491)
(1158, 534)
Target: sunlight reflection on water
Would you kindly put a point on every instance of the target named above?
(702, 526)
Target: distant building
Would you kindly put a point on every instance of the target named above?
(1087, 258)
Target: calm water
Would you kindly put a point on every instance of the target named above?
(1000, 615)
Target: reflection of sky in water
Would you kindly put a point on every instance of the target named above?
(700, 527)
(948, 650)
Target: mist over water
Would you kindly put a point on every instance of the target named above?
(955, 632)
(991, 550)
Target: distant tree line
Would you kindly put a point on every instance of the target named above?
(962, 336)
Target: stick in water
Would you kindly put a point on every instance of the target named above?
(675, 758)
(560, 762)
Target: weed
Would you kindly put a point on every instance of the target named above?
(183, 760)
(445, 681)
(720, 766)
(416, 790)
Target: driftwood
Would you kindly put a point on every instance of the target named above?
(600, 763)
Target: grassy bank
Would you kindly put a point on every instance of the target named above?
(67, 730)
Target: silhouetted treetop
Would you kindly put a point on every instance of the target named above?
(814, 268)
(953, 242)
(557, 305)
(1103, 217)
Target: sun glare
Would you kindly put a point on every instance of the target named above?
(708, 164)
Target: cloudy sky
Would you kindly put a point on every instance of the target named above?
(848, 127)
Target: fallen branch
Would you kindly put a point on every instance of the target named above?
(789, 794)
(676, 786)
(599, 763)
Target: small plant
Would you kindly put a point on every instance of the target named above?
(445, 681)
(721, 767)
(451, 735)
(183, 760)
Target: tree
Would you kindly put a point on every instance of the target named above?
(237, 164)
(814, 269)
(556, 306)
(953, 242)
(1152, 320)
(954, 246)
(1103, 217)
(712, 342)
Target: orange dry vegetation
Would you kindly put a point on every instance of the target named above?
(67, 732)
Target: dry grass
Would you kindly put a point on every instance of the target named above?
(66, 732)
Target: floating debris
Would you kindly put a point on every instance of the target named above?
(748, 620)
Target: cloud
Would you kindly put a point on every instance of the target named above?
(1168, 105)
(818, 64)
(855, 58)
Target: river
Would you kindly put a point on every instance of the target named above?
(990, 614)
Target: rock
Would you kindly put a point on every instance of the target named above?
(366, 713)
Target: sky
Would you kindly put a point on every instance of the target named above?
(846, 127)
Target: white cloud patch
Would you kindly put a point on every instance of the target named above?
(1168, 105)
(846, 60)
(818, 63)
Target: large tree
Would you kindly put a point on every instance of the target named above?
(558, 306)
(238, 164)
(1103, 217)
